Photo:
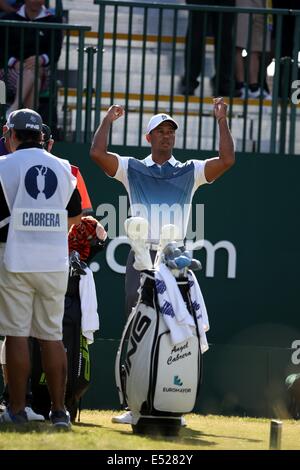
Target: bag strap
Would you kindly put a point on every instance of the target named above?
(118, 368)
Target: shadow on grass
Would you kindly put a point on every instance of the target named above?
(41, 428)
(233, 437)
(190, 437)
(87, 425)
(26, 428)
(186, 436)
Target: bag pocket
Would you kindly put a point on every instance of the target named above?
(177, 373)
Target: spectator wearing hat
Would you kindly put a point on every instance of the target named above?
(37, 194)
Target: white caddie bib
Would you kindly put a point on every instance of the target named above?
(37, 187)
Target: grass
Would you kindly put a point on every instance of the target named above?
(97, 432)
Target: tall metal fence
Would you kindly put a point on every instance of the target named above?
(145, 50)
(146, 57)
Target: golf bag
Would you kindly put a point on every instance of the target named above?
(78, 379)
(156, 379)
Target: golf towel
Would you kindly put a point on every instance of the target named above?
(174, 310)
(88, 301)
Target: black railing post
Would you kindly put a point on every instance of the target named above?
(91, 50)
(285, 63)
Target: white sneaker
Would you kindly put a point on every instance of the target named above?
(32, 416)
(183, 422)
(241, 93)
(125, 418)
(257, 93)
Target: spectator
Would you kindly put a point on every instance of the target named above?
(34, 279)
(194, 61)
(287, 35)
(288, 26)
(32, 10)
(9, 6)
(256, 49)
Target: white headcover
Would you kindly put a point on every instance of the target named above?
(136, 229)
(169, 233)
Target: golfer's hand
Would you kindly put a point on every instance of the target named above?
(220, 108)
(114, 112)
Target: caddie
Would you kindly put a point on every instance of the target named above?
(37, 195)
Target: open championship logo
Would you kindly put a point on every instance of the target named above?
(40, 182)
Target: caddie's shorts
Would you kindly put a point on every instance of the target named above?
(31, 304)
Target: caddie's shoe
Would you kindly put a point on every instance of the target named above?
(32, 416)
(18, 418)
(60, 419)
(125, 418)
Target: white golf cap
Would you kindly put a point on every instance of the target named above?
(157, 119)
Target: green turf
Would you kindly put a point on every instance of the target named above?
(96, 432)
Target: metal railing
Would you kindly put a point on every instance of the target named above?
(142, 65)
(141, 53)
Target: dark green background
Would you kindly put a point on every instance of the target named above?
(254, 318)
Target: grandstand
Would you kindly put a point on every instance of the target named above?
(141, 67)
(134, 55)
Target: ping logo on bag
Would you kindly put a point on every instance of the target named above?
(140, 327)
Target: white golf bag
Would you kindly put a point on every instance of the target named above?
(157, 379)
